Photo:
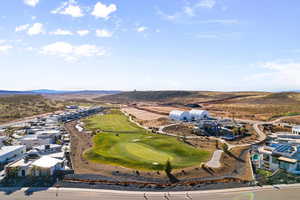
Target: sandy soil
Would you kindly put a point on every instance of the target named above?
(156, 122)
(292, 120)
(142, 114)
(162, 109)
(183, 129)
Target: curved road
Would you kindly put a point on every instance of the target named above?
(252, 193)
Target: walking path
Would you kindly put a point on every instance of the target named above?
(215, 160)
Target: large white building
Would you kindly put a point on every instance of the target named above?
(196, 115)
(179, 115)
(192, 115)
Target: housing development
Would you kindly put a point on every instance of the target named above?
(149, 100)
(147, 146)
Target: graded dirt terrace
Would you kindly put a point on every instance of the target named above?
(142, 114)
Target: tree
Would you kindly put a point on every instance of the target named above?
(243, 130)
(168, 168)
(225, 147)
(235, 131)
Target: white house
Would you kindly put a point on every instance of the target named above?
(296, 130)
(179, 115)
(34, 140)
(44, 166)
(11, 153)
(196, 115)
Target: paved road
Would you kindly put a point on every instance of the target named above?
(215, 160)
(266, 193)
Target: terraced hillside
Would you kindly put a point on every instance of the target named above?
(19, 106)
(247, 105)
(179, 97)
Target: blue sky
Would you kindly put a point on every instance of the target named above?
(150, 44)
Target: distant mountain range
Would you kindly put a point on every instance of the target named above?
(49, 92)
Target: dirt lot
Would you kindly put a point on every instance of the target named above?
(155, 123)
(164, 110)
(183, 129)
(292, 120)
(142, 114)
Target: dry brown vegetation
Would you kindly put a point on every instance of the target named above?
(180, 129)
(292, 120)
(244, 105)
(20, 106)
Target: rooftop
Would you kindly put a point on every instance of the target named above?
(46, 162)
(7, 149)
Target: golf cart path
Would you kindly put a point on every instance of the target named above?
(215, 160)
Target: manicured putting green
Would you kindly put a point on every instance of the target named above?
(144, 151)
(139, 149)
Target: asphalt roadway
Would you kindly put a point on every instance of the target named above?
(281, 192)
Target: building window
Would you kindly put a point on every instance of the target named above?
(274, 160)
(298, 166)
(284, 165)
(23, 172)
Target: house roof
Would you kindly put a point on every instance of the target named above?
(7, 149)
(289, 160)
(21, 163)
(197, 112)
(46, 162)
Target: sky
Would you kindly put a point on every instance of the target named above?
(224, 45)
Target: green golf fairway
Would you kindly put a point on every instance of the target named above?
(140, 149)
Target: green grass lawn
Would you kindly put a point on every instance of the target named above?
(144, 151)
(139, 149)
(113, 121)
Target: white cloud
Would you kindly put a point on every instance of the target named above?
(32, 3)
(71, 52)
(61, 32)
(206, 3)
(189, 16)
(83, 32)
(189, 12)
(2, 41)
(219, 21)
(281, 74)
(141, 29)
(103, 11)
(22, 27)
(5, 48)
(35, 29)
(103, 33)
(69, 8)
(29, 48)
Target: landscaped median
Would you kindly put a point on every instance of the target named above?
(138, 148)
